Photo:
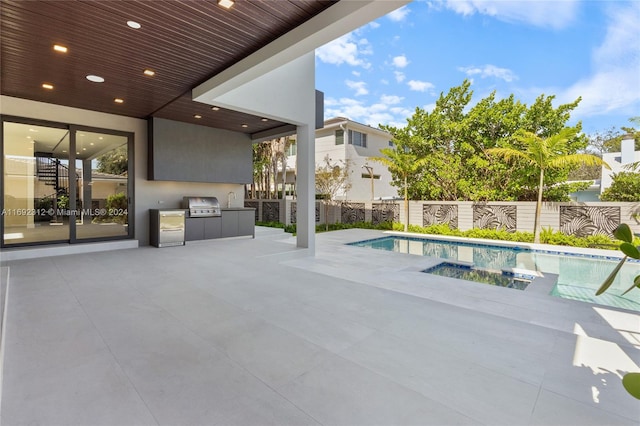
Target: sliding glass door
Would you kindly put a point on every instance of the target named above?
(102, 166)
(63, 184)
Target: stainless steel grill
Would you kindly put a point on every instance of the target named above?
(202, 206)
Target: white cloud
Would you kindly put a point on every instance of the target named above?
(384, 111)
(554, 14)
(400, 61)
(359, 86)
(399, 76)
(399, 15)
(420, 86)
(374, 24)
(356, 73)
(490, 71)
(391, 99)
(615, 83)
(346, 49)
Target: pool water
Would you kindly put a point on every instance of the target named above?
(579, 276)
(478, 275)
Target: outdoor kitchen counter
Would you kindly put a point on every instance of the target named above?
(238, 221)
(234, 222)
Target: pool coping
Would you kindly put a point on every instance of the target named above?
(538, 248)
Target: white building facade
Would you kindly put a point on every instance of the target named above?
(346, 142)
(618, 161)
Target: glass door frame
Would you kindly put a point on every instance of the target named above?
(73, 183)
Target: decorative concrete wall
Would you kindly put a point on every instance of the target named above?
(440, 214)
(572, 218)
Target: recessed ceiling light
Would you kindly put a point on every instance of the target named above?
(265, 119)
(77, 153)
(118, 100)
(134, 25)
(60, 48)
(95, 78)
(215, 108)
(245, 125)
(64, 150)
(100, 138)
(149, 73)
(197, 116)
(226, 3)
(91, 144)
(84, 149)
(47, 86)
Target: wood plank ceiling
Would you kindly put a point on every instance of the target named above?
(185, 42)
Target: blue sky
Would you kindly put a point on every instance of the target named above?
(568, 48)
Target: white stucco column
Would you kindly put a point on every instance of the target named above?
(306, 188)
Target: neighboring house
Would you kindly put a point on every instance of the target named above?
(344, 141)
(592, 193)
(618, 161)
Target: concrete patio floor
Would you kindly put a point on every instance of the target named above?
(255, 332)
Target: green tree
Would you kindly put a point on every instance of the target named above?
(331, 178)
(610, 140)
(433, 136)
(544, 154)
(261, 162)
(625, 186)
(402, 164)
(454, 138)
(114, 162)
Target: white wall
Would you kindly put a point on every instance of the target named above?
(148, 194)
(617, 161)
(359, 156)
(325, 145)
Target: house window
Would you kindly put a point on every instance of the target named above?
(368, 176)
(357, 138)
(391, 144)
(292, 150)
(339, 137)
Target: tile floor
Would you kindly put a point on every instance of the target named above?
(255, 332)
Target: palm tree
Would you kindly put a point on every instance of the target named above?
(544, 154)
(402, 164)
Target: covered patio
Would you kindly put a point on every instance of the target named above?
(257, 332)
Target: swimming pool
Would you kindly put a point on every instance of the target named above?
(579, 275)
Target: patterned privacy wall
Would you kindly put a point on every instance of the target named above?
(253, 205)
(582, 220)
(271, 211)
(385, 212)
(571, 218)
(487, 216)
(294, 210)
(352, 212)
(440, 214)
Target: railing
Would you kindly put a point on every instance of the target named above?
(53, 173)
